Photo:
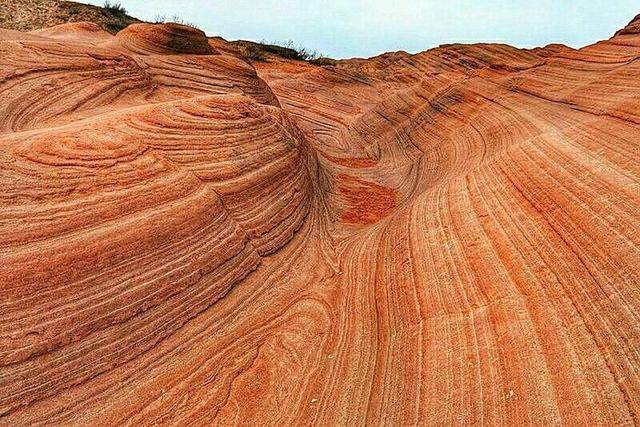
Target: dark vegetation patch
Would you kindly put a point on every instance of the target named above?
(114, 7)
(174, 19)
(286, 50)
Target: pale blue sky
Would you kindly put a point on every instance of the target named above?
(347, 28)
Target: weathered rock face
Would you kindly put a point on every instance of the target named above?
(632, 28)
(442, 238)
(165, 39)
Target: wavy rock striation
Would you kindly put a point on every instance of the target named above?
(442, 238)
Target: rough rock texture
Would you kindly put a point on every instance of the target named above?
(442, 238)
(28, 15)
(632, 28)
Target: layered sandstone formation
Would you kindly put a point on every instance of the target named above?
(442, 238)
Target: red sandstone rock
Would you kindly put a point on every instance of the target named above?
(84, 32)
(442, 238)
(167, 39)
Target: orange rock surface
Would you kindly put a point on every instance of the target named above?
(450, 237)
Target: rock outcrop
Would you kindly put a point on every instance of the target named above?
(29, 15)
(442, 238)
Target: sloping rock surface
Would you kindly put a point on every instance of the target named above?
(442, 238)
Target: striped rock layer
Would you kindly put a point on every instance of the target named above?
(449, 237)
